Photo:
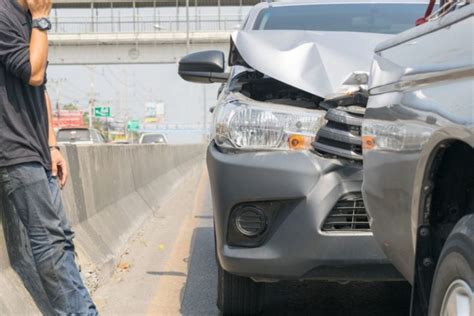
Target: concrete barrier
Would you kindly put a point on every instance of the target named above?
(111, 191)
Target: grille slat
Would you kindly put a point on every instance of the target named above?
(351, 208)
(341, 136)
(344, 223)
(343, 215)
(348, 215)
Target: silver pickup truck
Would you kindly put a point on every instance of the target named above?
(418, 153)
(285, 160)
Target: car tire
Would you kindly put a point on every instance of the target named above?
(239, 295)
(454, 276)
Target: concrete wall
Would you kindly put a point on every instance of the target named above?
(111, 191)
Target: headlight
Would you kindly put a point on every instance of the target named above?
(394, 136)
(246, 124)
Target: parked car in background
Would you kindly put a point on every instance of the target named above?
(418, 137)
(120, 142)
(78, 136)
(285, 162)
(153, 138)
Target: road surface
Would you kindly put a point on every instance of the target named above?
(169, 269)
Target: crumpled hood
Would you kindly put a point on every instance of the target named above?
(316, 62)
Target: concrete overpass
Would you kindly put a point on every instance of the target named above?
(131, 48)
(134, 36)
(148, 3)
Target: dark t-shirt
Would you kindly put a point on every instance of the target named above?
(23, 112)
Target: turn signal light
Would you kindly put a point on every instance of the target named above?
(299, 142)
(368, 142)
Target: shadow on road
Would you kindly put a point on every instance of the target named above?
(289, 298)
(200, 293)
(329, 298)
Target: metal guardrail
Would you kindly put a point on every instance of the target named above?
(144, 24)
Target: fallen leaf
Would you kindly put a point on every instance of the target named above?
(123, 266)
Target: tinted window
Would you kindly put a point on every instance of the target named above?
(370, 18)
(75, 135)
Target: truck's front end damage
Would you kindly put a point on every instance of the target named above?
(292, 215)
(285, 163)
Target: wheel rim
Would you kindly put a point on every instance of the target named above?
(458, 300)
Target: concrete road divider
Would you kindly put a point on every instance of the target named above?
(111, 191)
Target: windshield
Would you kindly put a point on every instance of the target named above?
(74, 135)
(369, 18)
(153, 139)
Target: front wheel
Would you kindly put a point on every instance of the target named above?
(452, 292)
(239, 295)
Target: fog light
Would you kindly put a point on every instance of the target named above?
(250, 221)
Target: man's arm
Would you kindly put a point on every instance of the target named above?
(38, 56)
(52, 136)
(38, 42)
(58, 163)
(14, 50)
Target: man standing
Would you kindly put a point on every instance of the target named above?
(32, 169)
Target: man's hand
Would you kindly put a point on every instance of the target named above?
(39, 8)
(59, 167)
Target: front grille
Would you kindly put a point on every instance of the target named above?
(341, 136)
(349, 214)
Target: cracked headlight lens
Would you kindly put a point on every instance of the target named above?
(246, 124)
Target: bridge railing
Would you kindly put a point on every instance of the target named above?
(144, 24)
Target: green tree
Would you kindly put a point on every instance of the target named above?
(70, 107)
(86, 118)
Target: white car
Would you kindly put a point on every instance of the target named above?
(79, 136)
(153, 138)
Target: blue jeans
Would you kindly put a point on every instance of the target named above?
(30, 191)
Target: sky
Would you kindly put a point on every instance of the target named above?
(127, 88)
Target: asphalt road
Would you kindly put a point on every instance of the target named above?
(169, 269)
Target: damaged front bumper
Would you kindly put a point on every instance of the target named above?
(283, 215)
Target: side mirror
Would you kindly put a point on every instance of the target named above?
(203, 67)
